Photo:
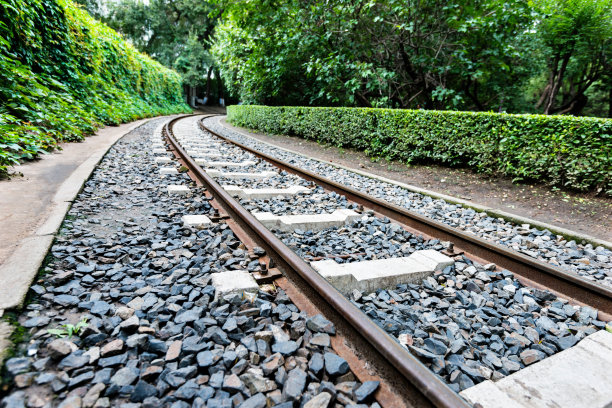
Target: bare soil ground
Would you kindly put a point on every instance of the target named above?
(580, 212)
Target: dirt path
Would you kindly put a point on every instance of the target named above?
(583, 213)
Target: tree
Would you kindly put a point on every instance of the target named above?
(393, 53)
(576, 34)
(551, 56)
(176, 33)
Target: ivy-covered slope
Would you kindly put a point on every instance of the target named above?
(568, 151)
(63, 74)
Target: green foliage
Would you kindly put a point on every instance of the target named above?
(484, 55)
(64, 74)
(576, 35)
(572, 152)
(175, 33)
(69, 330)
(391, 53)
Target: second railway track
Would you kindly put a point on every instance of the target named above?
(531, 270)
(402, 373)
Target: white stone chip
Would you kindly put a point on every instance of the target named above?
(578, 377)
(197, 221)
(229, 164)
(240, 175)
(204, 158)
(306, 222)
(379, 273)
(433, 259)
(178, 190)
(203, 152)
(231, 282)
(265, 193)
(168, 170)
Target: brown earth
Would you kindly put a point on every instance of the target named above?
(581, 212)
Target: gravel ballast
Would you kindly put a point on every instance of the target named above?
(154, 335)
(467, 323)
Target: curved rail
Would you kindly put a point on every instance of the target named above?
(405, 373)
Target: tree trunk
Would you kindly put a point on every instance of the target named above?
(554, 68)
(473, 96)
(543, 96)
(364, 101)
(556, 85)
(219, 88)
(210, 70)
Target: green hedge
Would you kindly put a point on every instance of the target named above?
(573, 152)
(64, 74)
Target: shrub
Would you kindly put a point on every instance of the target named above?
(64, 74)
(573, 152)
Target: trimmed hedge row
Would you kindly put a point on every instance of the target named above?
(573, 152)
(63, 74)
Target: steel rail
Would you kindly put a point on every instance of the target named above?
(562, 282)
(404, 372)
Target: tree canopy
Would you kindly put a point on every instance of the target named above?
(176, 33)
(545, 56)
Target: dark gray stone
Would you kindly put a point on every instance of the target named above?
(320, 324)
(365, 390)
(125, 376)
(285, 347)
(187, 316)
(295, 384)
(74, 360)
(256, 401)
(142, 391)
(17, 365)
(435, 346)
(316, 363)
(37, 321)
(81, 379)
(187, 391)
(335, 365)
(66, 300)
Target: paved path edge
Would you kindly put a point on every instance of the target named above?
(494, 212)
(19, 271)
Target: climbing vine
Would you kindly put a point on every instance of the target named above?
(63, 74)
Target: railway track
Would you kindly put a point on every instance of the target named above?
(405, 378)
(407, 381)
(217, 277)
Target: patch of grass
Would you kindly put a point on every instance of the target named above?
(69, 330)
(20, 333)
(18, 336)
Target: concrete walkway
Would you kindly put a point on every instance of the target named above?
(33, 207)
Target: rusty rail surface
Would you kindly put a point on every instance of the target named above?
(567, 284)
(405, 374)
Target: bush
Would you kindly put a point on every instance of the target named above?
(64, 74)
(573, 152)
